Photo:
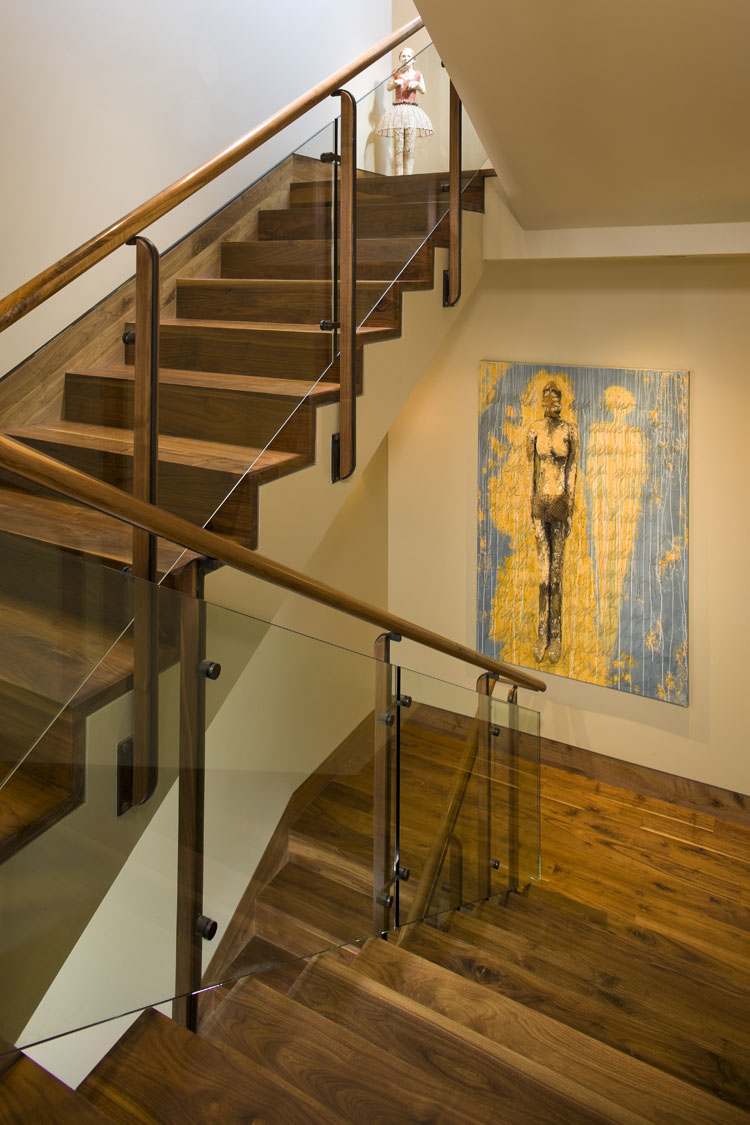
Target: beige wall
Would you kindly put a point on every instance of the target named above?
(679, 313)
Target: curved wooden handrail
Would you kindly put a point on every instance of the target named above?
(56, 277)
(46, 471)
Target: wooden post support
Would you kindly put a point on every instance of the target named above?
(191, 796)
(145, 470)
(347, 455)
(485, 684)
(513, 789)
(452, 276)
(383, 785)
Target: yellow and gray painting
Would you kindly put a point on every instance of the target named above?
(582, 538)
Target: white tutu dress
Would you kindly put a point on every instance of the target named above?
(405, 113)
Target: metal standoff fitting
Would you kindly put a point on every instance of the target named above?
(330, 158)
(495, 864)
(385, 899)
(387, 718)
(495, 732)
(210, 669)
(206, 928)
(404, 701)
(128, 336)
(402, 873)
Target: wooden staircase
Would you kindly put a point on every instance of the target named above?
(244, 368)
(540, 1006)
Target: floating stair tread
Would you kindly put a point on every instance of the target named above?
(652, 1094)
(63, 523)
(359, 1080)
(161, 1073)
(365, 334)
(52, 654)
(177, 450)
(25, 802)
(483, 957)
(217, 380)
(28, 1093)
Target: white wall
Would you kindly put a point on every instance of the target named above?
(670, 314)
(107, 104)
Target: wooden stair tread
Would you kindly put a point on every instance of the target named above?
(489, 1082)
(177, 450)
(144, 1078)
(63, 523)
(478, 955)
(664, 969)
(28, 1093)
(366, 333)
(335, 913)
(359, 1079)
(614, 972)
(652, 1094)
(218, 380)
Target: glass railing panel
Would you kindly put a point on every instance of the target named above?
(65, 637)
(469, 777)
(88, 893)
(516, 776)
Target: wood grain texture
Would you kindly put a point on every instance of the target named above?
(651, 1094)
(143, 1079)
(28, 1093)
(398, 219)
(363, 1076)
(408, 259)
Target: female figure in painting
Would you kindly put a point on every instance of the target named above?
(552, 457)
(405, 121)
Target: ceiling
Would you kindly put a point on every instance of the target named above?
(606, 112)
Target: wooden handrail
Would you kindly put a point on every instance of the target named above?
(56, 277)
(49, 473)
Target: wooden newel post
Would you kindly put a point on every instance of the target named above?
(347, 248)
(485, 684)
(452, 276)
(191, 797)
(145, 487)
(383, 849)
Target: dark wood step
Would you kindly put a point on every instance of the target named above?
(194, 476)
(291, 302)
(373, 221)
(304, 912)
(282, 351)
(417, 188)
(641, 1089)
(161, 1073)
(49, 519)
(342, 1069)
(621, 972)
(209, 406)
(494, 1080)
(28, 1093)
(491, 957)
(408, 259)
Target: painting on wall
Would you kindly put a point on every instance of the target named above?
(582, 524)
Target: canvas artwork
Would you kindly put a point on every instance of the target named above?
(583, 536)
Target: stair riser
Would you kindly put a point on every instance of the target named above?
(311, 260)
(285, 302)
(406, 189)
(238, 351)
(413, 219)
(199, 413)
(186, 490)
